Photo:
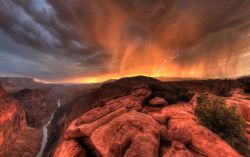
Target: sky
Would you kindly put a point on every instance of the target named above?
(97, 40)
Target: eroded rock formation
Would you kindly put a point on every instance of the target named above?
(158, 101)
(2, 91)
(242, 104)
(121, 128)
(38, 105)
(16, 139)
(26, 144)
(12, 122)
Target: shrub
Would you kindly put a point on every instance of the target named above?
(222, 90)
(185, 96)
(224, 121)
(172, 94)
(247, 87)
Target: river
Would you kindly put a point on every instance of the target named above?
(45, 132)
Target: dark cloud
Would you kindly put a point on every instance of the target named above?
(91, 37)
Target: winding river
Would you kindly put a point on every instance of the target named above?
(45, 132)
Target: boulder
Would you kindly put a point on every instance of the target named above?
(180, 134)
(85, 130)
(143, 145)
(69, 148)
(130, 101)
(158, 101)
(159, 118)
(129, 134)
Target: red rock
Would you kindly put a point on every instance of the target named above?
(2, 91)
(119, 128)
(26, 144)
(177, 150)
(143, 145)
(193, 101)
(69, 148)
(96, 118)
(12, 122)
(242, 103)
(131, 101)
(203, 140)
(38, 105)
(116, 134)
(75, 131)
(180, 134)
(242, 106)
(159, 118)
(158, 101)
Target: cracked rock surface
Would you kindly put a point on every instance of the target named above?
(121, 129)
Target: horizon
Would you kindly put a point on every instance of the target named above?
(161, 78)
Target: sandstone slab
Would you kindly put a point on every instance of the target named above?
(125, 132)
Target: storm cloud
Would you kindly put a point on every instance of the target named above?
(58, 40)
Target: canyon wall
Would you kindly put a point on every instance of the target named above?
(2, 91)
(38, 105)
(12, 121)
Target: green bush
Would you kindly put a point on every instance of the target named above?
(224, 121)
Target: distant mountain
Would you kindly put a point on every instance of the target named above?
(161, 78)
(17, 81)
(165, 79)
(13, 84)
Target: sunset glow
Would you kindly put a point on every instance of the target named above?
(52, 42)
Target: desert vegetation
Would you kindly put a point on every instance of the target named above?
(247, 87)
(172, 94)
(222, 90)
(224, 121)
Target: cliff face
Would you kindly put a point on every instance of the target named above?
(12, 122)
(2, 91)
(38, 105)
(16, 139)
(26, 144)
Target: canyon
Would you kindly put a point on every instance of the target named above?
(12, 121)
(124, 78)
(27, 108)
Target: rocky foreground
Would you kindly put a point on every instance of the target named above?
(130, 117)
(138, 124)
